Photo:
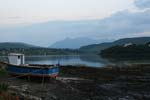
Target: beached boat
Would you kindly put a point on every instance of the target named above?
(17, 66)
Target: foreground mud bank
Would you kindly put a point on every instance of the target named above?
(128, 82)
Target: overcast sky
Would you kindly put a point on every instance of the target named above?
(29, 11)
(121, 18)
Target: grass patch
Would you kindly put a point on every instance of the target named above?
(3, 87)
(4, 93)
(3, 72)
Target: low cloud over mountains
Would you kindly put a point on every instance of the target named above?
(142, 3)
(125, 23)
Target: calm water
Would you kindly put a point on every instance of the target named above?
(90, 60)
(87, 60)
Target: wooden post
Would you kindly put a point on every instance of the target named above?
(43, 78)
(28, 77)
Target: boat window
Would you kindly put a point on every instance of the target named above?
(18, 57)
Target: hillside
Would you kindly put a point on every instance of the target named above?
(96, 48)
(127, 52)
(73, 43)
(27, 49)
(7, 45)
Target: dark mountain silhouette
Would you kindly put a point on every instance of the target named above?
(96, 48)
(73, 43)
(7, 45)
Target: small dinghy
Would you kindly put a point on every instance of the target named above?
(17, 66)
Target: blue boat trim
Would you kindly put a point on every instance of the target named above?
(35, 75)
(38, 70)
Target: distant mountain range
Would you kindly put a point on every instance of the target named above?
(27, 49)
(77, 42)
(7, 45)
(96, 48)
(45, 32)
(73, 43)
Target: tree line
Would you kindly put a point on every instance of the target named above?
(37, 51)
(131, 51)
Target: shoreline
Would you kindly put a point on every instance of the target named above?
(128, 82)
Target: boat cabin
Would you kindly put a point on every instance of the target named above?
(16, 59)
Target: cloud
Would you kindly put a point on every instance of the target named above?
(15, 17)
(126, 22)
(119, 25)
(11, 17)
(142, 3)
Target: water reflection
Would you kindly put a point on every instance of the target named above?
(88, 60)
(93, 58)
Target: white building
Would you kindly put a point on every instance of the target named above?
(16, 59)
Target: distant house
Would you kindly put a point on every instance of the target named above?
(127, 44)
(148, 44)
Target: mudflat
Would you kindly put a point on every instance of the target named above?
(112, 82)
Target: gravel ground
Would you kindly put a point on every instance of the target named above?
(83, 83)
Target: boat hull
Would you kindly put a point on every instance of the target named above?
(33, 71)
